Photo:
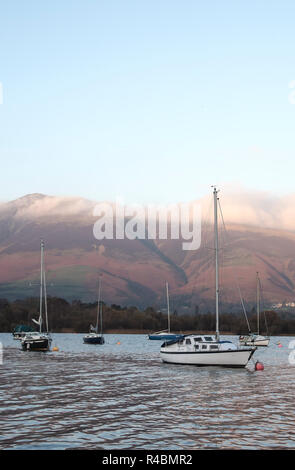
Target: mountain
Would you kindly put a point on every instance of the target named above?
(135, 271)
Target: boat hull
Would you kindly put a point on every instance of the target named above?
(165, 337)
(93, 340)
(254, 341)
(264, 342)
(230, 358)
(42, 344)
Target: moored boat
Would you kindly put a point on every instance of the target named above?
(36, 342)
(39, 341)
(165, 334)
(207, 350)
(20, 331)
(255, 339)
(93, 337)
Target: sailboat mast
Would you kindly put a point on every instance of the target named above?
(216, 262)
(101, 317)
(258, 302)
(41, 286)
(168, 306)
(45, 301)
(98, 305)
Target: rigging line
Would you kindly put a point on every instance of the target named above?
(223, 297)
(223, 223)
(263, 304)
(236, 281)
(203, 260)
(244, 310)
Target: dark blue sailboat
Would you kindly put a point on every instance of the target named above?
(93, 337)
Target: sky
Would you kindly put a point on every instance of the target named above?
(146, 101)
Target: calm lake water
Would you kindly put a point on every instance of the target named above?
(121, 396)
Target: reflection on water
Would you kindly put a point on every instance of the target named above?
(121, 396)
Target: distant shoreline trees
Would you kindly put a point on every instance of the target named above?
(76, 316)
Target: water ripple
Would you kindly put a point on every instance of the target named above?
(124, 397)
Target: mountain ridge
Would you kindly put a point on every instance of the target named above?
(135, 271)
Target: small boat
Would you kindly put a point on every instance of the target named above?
(93, 337)
(36, 342)
(21, 330)
(207, 350)
(165, 334)
(39, 341)
(255, 339)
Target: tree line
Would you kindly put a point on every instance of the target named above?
(76, 316)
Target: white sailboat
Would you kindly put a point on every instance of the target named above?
(255, 339)
(39, 341)
(207, 350)
(165, 334)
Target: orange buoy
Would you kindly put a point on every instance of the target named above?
(118, 342)
(259, 366)
(55, 348)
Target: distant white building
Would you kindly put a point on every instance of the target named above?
(280, 305)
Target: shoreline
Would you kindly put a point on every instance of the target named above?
(148, 332)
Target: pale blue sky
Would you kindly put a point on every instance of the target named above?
(150, 101)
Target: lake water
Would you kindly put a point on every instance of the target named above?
(121, 396)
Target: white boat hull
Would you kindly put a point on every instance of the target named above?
(254, 341)
(234, 358)
(264, 342)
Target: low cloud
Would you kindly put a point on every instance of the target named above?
(256, 208)
(260, 209)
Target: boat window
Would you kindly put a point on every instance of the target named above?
(204, 346)
(198, 339)
(208, 338)
(187, 341)
(214, 346)
(197, 346)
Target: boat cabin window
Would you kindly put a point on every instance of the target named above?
(213, 346)
(199, 339)
(197, 346)
(187, 341)
(204, 346)
(208, 338)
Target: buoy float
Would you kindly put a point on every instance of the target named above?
(118, 342)
(259, 365)
(55, 348)
(280, 345)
